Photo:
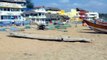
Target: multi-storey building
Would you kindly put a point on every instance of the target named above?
(11, 10)
(73, 14)
(42, 15)
(83, 14)
(92, 15)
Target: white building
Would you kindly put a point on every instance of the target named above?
(40, 15)
(11, 10)
(92, 15)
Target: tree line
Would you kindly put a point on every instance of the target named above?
(103, 15)
(29, 4)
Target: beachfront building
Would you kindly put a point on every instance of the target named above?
(11, 10)
(63, 18)
(41, 15)
(83, 14)
(73, 14)
(52, 10)
(61, 12)
(92, 15)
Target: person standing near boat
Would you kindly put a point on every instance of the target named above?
(95, 20)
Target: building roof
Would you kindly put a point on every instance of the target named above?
(12, 0)
(48, 15)
(52, 9)
(48, 8)
(37, 7)
(11, 5)
(79, 9)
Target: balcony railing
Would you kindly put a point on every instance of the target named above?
(12, 5)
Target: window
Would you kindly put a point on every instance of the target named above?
(4, 17)
(8, 9)
(16, 9)
(19, 17)
(22, 10)
(27, 15)
(0, 9)
(9, 17)
(39, 14)
(42, 14)
(42, 19)
(1, 17)
(35, 14)
(37, 19)
(5, 9)
(31, 14)
(12, 17)
(12, 9)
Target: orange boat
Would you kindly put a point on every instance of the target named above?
(96, 27)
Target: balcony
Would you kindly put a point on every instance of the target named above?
(11, 5)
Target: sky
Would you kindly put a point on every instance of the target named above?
(90, 5)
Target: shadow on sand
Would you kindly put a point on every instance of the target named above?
(91, 31)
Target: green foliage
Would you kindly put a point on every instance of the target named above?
(29, 4)
(102, 15)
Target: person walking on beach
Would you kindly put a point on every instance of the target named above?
(76, 22)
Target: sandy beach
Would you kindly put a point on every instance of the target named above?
(12, 48)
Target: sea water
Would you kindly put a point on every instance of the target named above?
(105, 19)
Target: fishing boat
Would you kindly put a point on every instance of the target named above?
(96, 27)
(101, 22)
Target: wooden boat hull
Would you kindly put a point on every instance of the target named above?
(96, 27)
(49, 37)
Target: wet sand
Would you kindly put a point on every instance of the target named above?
(31, 49)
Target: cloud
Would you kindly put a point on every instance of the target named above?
(91, 3)
(76, 4)
(97, 3)
(54, 4)
(64, 1)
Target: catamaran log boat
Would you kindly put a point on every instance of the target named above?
(96, 27)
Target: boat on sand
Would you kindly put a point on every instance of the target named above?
(96, 26)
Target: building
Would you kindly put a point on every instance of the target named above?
(92, 15)
(73, 14)
(41, 15)
(12, 0)
(61, 12)
(83, 14)
(52, 10)
(11, 10)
